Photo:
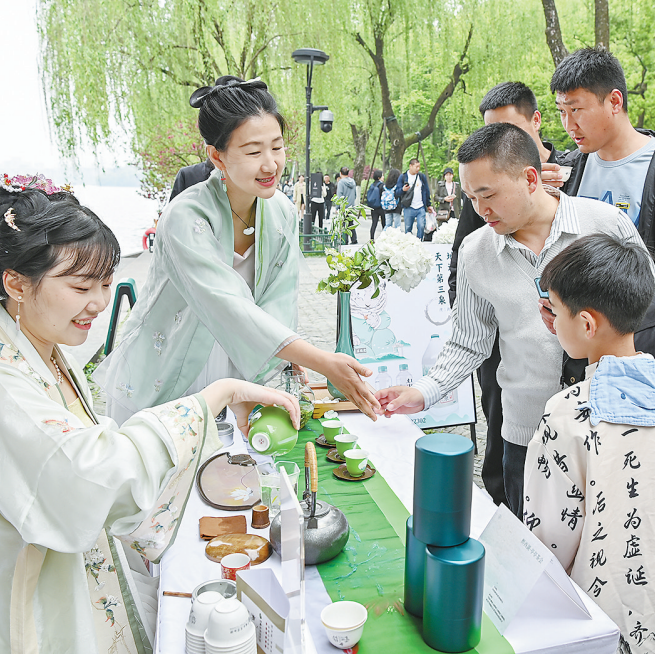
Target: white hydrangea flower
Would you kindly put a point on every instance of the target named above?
(405, 255)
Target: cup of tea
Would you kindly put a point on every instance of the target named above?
(232, 563)
(565, 172)
(346, 442)
(356, 462)
(331, 429)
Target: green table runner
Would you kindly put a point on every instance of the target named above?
(371, 568)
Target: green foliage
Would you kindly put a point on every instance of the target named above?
(348, 268)
(119, 66)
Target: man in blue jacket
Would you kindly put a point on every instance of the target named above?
(414, 206)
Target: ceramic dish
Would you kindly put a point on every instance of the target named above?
(225, 483)
(341, 472)
(256, 547)
(320, 441)
(333, 456)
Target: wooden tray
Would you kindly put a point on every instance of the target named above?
(256, 547)
(320, 391)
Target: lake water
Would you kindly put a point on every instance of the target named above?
(124, 210)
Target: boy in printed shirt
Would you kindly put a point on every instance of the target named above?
(589, 483)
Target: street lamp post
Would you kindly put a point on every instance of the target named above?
(309, 56)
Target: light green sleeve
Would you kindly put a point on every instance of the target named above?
(197, 245)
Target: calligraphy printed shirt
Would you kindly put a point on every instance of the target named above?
(590, 489)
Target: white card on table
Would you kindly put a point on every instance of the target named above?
(514, 560)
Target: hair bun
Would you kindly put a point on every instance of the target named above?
(198, 96)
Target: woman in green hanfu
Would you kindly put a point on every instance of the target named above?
(82, 501)
(221, 295)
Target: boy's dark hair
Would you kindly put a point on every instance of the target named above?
(593, 69)
(514, 94)
(509, 148)
(377, 174)
(609, 275)
(413, 160)
(344, 171)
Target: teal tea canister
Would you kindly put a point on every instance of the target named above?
(452, 597)
(443, 487)
(271, 431)
(414, 571)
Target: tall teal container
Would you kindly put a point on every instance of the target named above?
(452, 600)
(414, 571)
(443, 486)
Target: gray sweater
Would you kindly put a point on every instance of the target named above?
(347, 189)
(496, 289)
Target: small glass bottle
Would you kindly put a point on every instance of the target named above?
(431, 353)
(383, 379)
(293, 382)
(404, 378)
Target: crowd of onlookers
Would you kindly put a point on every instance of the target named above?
(398, 197)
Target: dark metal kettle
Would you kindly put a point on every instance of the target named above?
(326, 527)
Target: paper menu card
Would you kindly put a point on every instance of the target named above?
(260, 591)
(514, 560)
(292, 551)
(277, 607)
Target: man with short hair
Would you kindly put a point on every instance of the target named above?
(500, 171)
(346, 188)
(615, 162)
(415, 181)
(515, 103)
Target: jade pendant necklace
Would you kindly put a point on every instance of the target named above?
(249, 229)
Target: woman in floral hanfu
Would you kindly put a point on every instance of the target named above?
(222, 290)
(82, 501)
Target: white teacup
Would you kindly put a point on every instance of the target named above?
(229, 624)
(344, 622)
(200, 611)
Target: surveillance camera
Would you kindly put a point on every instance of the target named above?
(326, 118)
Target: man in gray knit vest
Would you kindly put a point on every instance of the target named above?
(500, 171)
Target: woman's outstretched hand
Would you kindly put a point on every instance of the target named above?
(344, 373)
(242, 396)
(400, 400)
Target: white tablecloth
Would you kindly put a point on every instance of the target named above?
(543, 625)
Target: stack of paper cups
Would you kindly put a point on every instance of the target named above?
(444, 569)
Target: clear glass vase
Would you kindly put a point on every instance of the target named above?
(293, 382)
(344, 337)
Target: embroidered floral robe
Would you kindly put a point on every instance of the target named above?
(73, 497)
(193, 298)
(590, 490)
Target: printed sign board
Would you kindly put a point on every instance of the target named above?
(399, 335)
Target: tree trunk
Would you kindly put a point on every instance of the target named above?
(396, 136)
(398, 142)
(360, 139)
(553, 32)
(460, 70)
(602, 23)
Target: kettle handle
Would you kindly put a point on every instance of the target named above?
(312, 465)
